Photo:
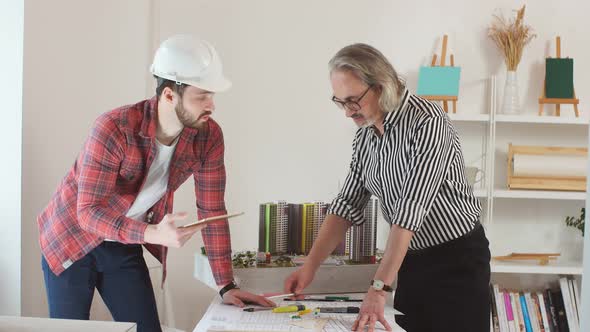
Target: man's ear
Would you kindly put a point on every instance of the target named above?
(168, 95)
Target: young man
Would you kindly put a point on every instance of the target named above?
(119, 193)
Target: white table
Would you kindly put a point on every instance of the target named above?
(35, 324)
(220, 317)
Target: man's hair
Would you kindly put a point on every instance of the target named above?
(372, 67)
(162, 83)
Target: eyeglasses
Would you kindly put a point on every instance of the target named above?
(351, 105)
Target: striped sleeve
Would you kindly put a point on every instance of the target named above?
(351, 201)
(430, 158)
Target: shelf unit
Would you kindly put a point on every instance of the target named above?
(559, 267)
(479, 118)
(490, 194)
(532, 119)
(540, 194)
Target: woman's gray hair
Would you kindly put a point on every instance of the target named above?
(371, 66)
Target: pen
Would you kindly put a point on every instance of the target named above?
(256, 309)
(289, 308)
(324, 300)
(340, 310)
(278, 295)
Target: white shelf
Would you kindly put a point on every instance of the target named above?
(540, 194)
(558, 267)
(481, 193)
(469, 117)
(545, 119)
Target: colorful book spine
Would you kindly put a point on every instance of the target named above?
(551, 311)
(532, 313)
(543, 309)
(539, 316)
(525, 313)
(495, 321)
(567, 301)
(570, 283)
(509, 314)
(517, 312)
(501, 309)
(577, 297)
(560, 309)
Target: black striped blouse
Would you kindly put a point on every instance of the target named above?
(416, 169)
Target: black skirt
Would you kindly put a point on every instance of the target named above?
(446, 287)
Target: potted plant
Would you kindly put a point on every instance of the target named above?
(577, 222)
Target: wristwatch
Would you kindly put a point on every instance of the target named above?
(380, 285)
(228, 287)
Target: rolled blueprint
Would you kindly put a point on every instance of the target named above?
(550, 165)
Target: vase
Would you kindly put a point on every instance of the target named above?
(511, 104)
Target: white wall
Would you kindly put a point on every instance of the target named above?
(284, 138)
(82, 58)
(11, 85)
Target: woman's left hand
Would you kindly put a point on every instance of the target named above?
(372, 312)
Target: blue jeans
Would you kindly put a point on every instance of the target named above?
(120, 274)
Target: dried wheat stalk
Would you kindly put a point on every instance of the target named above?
(511, 37)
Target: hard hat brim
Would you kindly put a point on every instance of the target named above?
(219, 85)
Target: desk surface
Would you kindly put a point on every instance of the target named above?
(35, 324)
(220, 317)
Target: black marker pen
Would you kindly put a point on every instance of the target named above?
(340, 310)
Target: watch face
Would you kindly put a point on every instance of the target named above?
(378, 284)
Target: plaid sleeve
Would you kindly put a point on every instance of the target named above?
(210, 192)
(97, 174)
(351, 201)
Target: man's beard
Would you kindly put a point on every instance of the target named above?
(187, 119)
(366, 124)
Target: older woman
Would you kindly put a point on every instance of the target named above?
(407, 153)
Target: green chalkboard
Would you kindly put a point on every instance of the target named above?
(559, 78)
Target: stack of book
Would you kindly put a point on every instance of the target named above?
(552, 309)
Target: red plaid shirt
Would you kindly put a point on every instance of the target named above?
(91, 202)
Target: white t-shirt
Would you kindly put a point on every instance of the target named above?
(155, 184)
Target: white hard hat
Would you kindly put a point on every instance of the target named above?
(187, 60)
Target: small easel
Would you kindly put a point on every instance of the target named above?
(542, 259)
(444, 99)
(558, 101)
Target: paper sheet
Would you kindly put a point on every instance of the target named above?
(225, 318)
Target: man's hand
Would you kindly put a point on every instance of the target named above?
(372, 311)
(237, 297)
(167, 234)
